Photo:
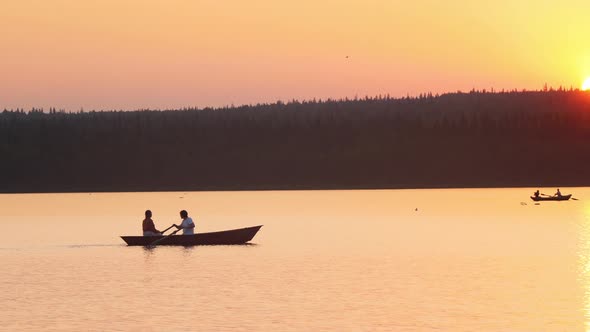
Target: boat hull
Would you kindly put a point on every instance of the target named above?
(551, 198)
(234, 236)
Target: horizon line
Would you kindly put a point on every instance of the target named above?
(303, 101)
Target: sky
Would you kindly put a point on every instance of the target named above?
(132, 54)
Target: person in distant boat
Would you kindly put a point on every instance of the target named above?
(187, 225)
(537, 193)
(558, 193)
(149, 229)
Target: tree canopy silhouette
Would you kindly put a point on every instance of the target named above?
(474, 139)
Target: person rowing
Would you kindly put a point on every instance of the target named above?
(149, 229)
(537, 193)
(187, 225)
(558, 193)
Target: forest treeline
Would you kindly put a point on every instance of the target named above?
(475, 139)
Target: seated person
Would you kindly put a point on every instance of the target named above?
(558, 193)
(187, 225)
(537, 193)
(149, 229)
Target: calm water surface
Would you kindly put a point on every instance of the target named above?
(465, 260)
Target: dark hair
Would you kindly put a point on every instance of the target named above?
(183, 214)
(148, 213)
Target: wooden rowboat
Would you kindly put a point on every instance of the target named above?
(234, 236)
(551, 198)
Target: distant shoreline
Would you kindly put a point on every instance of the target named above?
(545, 186)
(461, 140)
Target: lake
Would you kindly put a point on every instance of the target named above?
(358, 260)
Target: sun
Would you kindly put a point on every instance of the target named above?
(586, 85)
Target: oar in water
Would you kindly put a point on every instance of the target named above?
(164, 238)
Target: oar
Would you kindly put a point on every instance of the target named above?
(164, 238)
(164, 231)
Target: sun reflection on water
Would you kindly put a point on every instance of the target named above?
(584, 259)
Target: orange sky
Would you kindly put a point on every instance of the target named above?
(129, 54)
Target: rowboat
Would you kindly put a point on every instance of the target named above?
(551, 198)
(234, 236)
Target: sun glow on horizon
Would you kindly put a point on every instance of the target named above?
(249, 52)
(586, 84)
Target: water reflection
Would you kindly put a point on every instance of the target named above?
(187, 251)
(149, 250)
(584, 259)
(469, 260)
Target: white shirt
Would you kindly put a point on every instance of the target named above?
(184, 224)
